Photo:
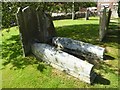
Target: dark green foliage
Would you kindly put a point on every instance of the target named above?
(9, 9)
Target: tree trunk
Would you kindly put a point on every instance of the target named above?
(64, 61)
(88, 51)
(73, 12)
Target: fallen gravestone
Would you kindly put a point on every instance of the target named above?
(64, 61)
(86, 50)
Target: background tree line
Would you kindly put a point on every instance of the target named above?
(9, 9)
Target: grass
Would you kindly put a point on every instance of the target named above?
(28, 72)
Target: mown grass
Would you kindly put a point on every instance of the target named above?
(28, 72)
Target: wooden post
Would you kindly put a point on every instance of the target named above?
(87, 14)
(79, 48)
(73, 12)
(102, 24)
(64, 61)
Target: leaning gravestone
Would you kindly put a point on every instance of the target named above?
(35, 26)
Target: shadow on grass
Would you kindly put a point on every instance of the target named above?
(83, 32)
(12, 54)
(105, 68)
(88, 33)
(41, 67)
(100, 80)
(112, 36)
(11, 49)
(107, 57)
(113, 33)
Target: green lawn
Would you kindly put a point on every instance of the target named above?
(27, 72)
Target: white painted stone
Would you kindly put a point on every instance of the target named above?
(86, 50)
(64, 61)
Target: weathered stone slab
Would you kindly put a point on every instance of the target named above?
(64, 61)
(45, 26)
(23, 31)
(88, 51)
(102, 24)
(34, 26)
(105, 16)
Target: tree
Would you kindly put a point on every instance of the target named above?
(9, 9)
(73, 12)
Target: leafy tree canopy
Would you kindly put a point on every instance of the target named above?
(9, 9)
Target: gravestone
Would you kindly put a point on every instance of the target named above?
(87, 14)
(102, 28)
(34, 26)
(64, 62)
(105, 15)
(79, 48)
(37, 32)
